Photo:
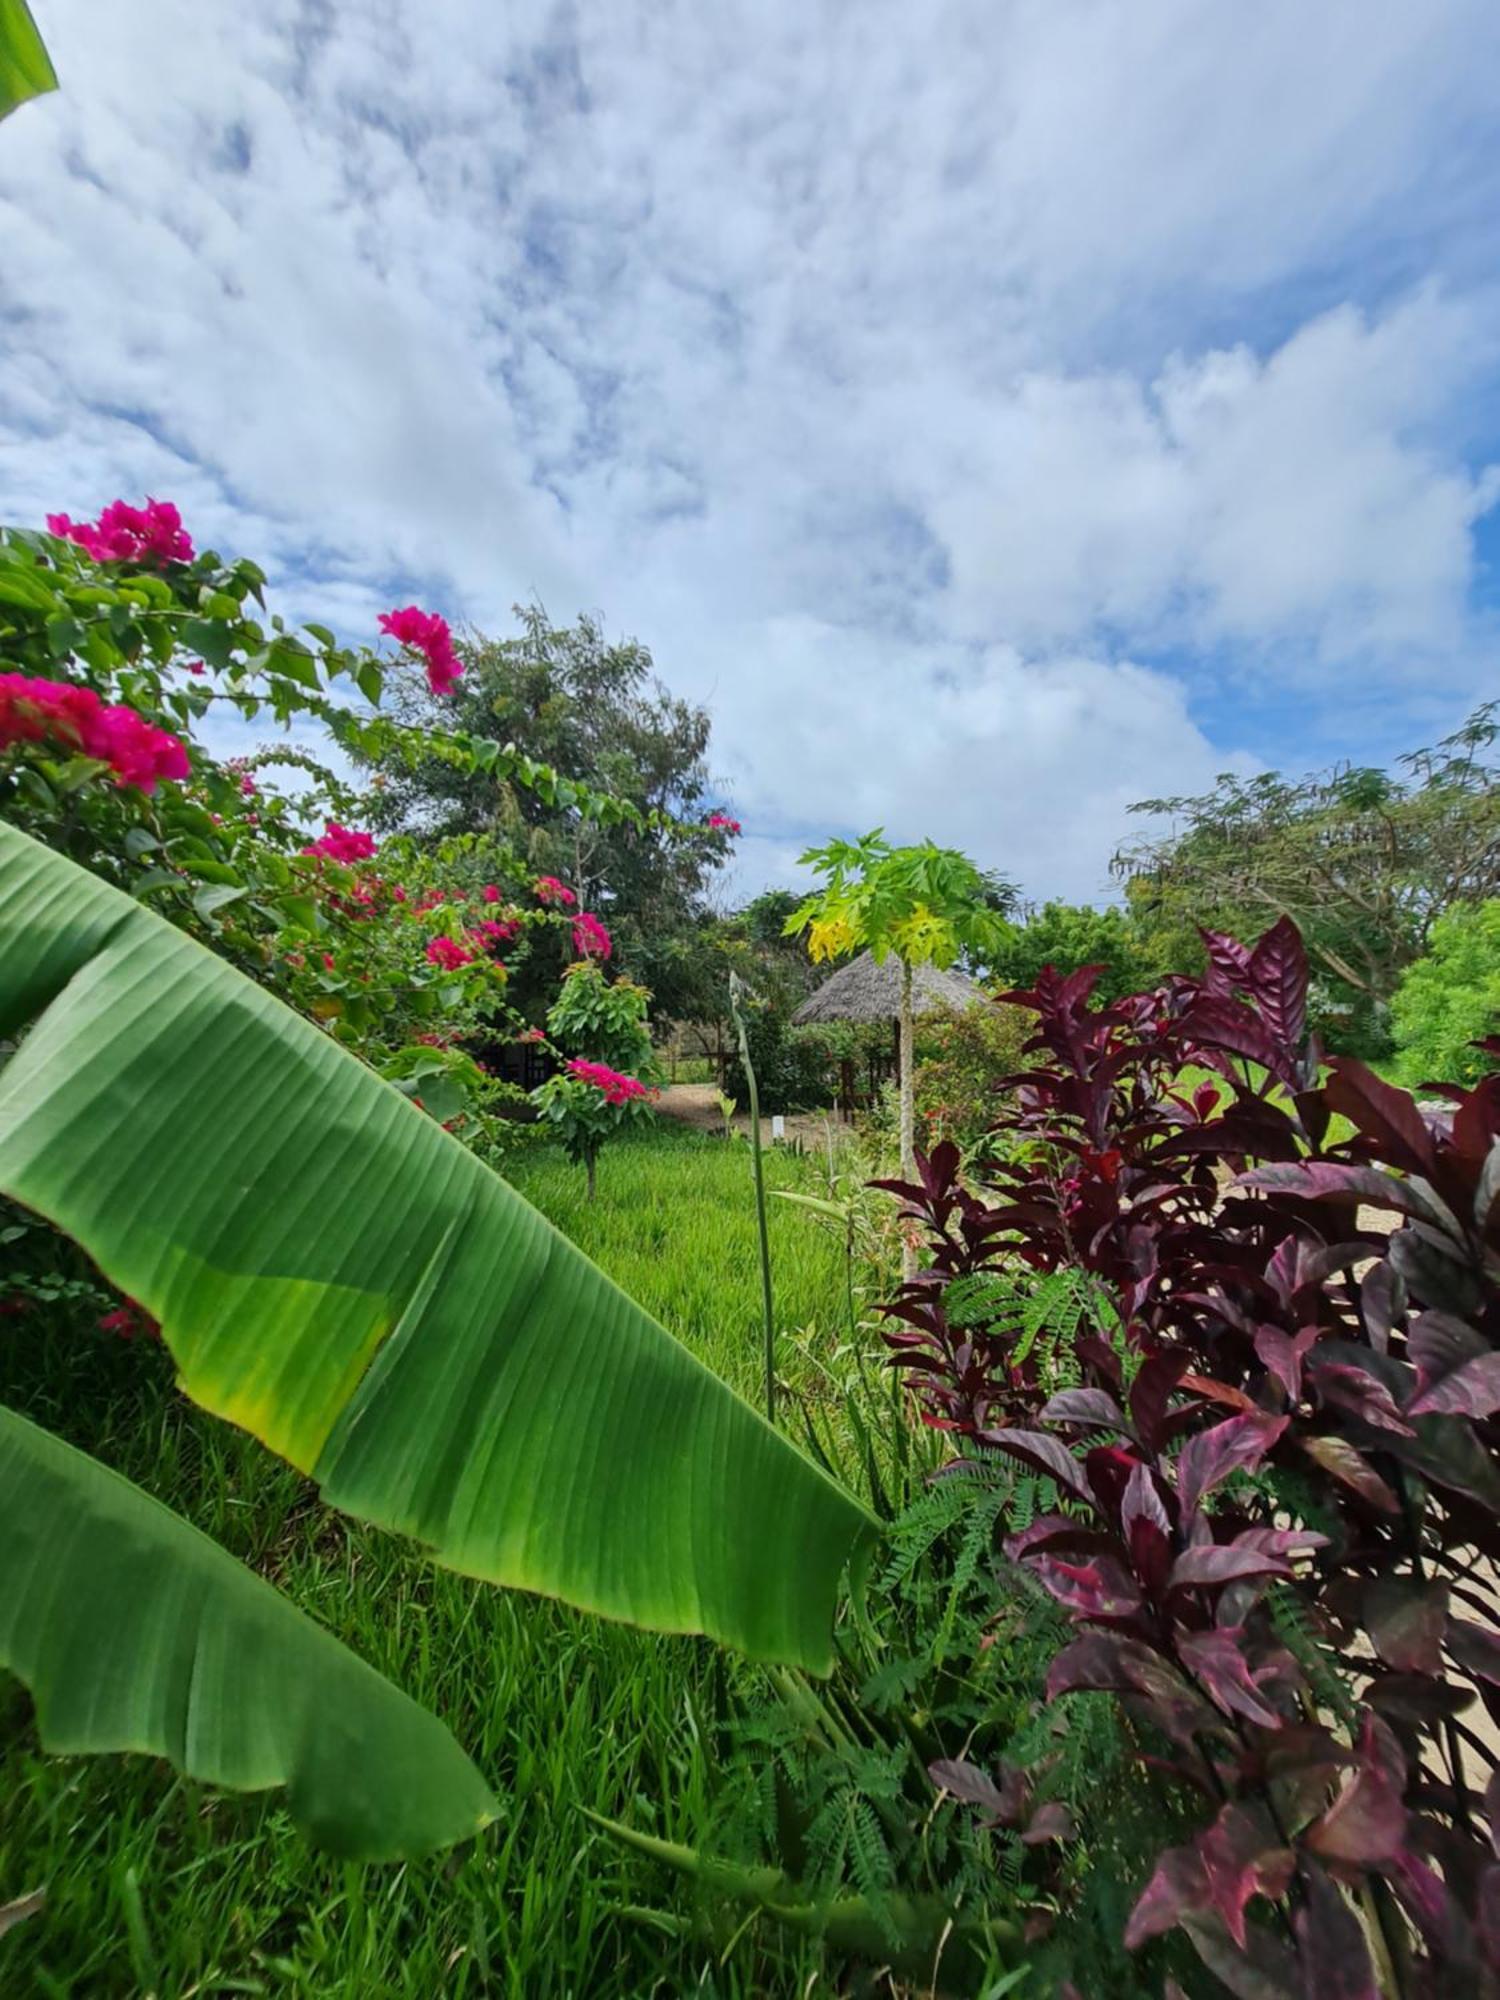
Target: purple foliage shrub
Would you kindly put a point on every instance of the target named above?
(1277, 1520)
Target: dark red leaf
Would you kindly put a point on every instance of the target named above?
(1052, 1821)
(1043, 1454)
(1458, 1372)
(1355, 1387)
(1005, 1803)
(1341, 1461)
(1098, 1589)
(1282, 1354)
(1406, 1621)
(1277, 976)
(1331, 1944)
(1213, 1563)
(1115, 1664)
(1383, 1113)
(1476, 1649)
(1212, 1455)
(1333, 1180)
(1236, 1858)
(1216, 1660)
(1151, 1391)
(1095, 1408)
(1366, 1824)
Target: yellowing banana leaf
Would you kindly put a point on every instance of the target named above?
(340, 1276)
(134, 1631)
(25, 67)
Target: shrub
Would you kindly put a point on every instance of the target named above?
(1449, 1001)
(1276, 1546)
(962, 1053)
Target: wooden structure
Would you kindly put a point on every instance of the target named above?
(865, 991)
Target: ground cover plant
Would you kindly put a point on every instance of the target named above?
(1277, 1544)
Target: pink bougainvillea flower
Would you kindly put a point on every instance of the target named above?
(130, 1321)
(448, 953)
(35, 710)
(490, 893)
(531, 1035)
(341, 844)
(590, 937)
(549, 890)
(248, 786)
(493, 933)
(615, 1088)
(722, 823)
(428, 634)
(398, 894)
(196, 667)
(122, 533)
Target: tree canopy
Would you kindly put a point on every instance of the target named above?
(1363, 860)
(587, 705)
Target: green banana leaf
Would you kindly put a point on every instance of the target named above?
(134, 1631)
(341, 1277)
(25, 67)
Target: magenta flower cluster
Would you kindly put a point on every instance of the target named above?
(122, 533)
(721, 823)
(33, 710)
(343, 844)
(429, 634)
(614, 1087)
(590, 938)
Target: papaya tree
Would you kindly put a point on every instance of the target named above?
(928, 905)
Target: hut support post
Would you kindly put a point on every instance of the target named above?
(907, 1045)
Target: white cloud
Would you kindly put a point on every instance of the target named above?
(906, 378)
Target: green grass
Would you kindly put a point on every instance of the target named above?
(158, 1886)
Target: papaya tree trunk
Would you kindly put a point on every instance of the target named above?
(908, 1110)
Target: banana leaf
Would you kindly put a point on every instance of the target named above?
(338, 1275)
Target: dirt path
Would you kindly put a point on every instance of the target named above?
(697, 1104)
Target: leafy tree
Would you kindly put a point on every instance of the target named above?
(1069, 935)
(929, 905)
(586, 706)
(1450, 999)
(1363, 860)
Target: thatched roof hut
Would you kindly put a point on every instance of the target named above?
(865, 991)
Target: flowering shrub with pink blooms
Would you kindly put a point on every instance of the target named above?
(550, 890)
(117, 642)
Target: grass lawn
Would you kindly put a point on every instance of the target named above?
(156, 1886)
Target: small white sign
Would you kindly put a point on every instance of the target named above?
(778, 1126)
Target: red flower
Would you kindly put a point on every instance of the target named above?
(590, 938)
(340, 844)
(122, 533)
(722, 823)
(550, 890)
(426, 633)
(616, 1089)
(130, 1321)
(34, 710)
(448, 953)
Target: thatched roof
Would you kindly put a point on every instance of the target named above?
(865, 991)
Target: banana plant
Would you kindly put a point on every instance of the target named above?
(25, 66)
(342, 1278)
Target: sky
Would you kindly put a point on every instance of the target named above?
(995, 412)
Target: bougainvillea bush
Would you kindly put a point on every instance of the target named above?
(607, 1081)
(1277, 1503)
(126, 657)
